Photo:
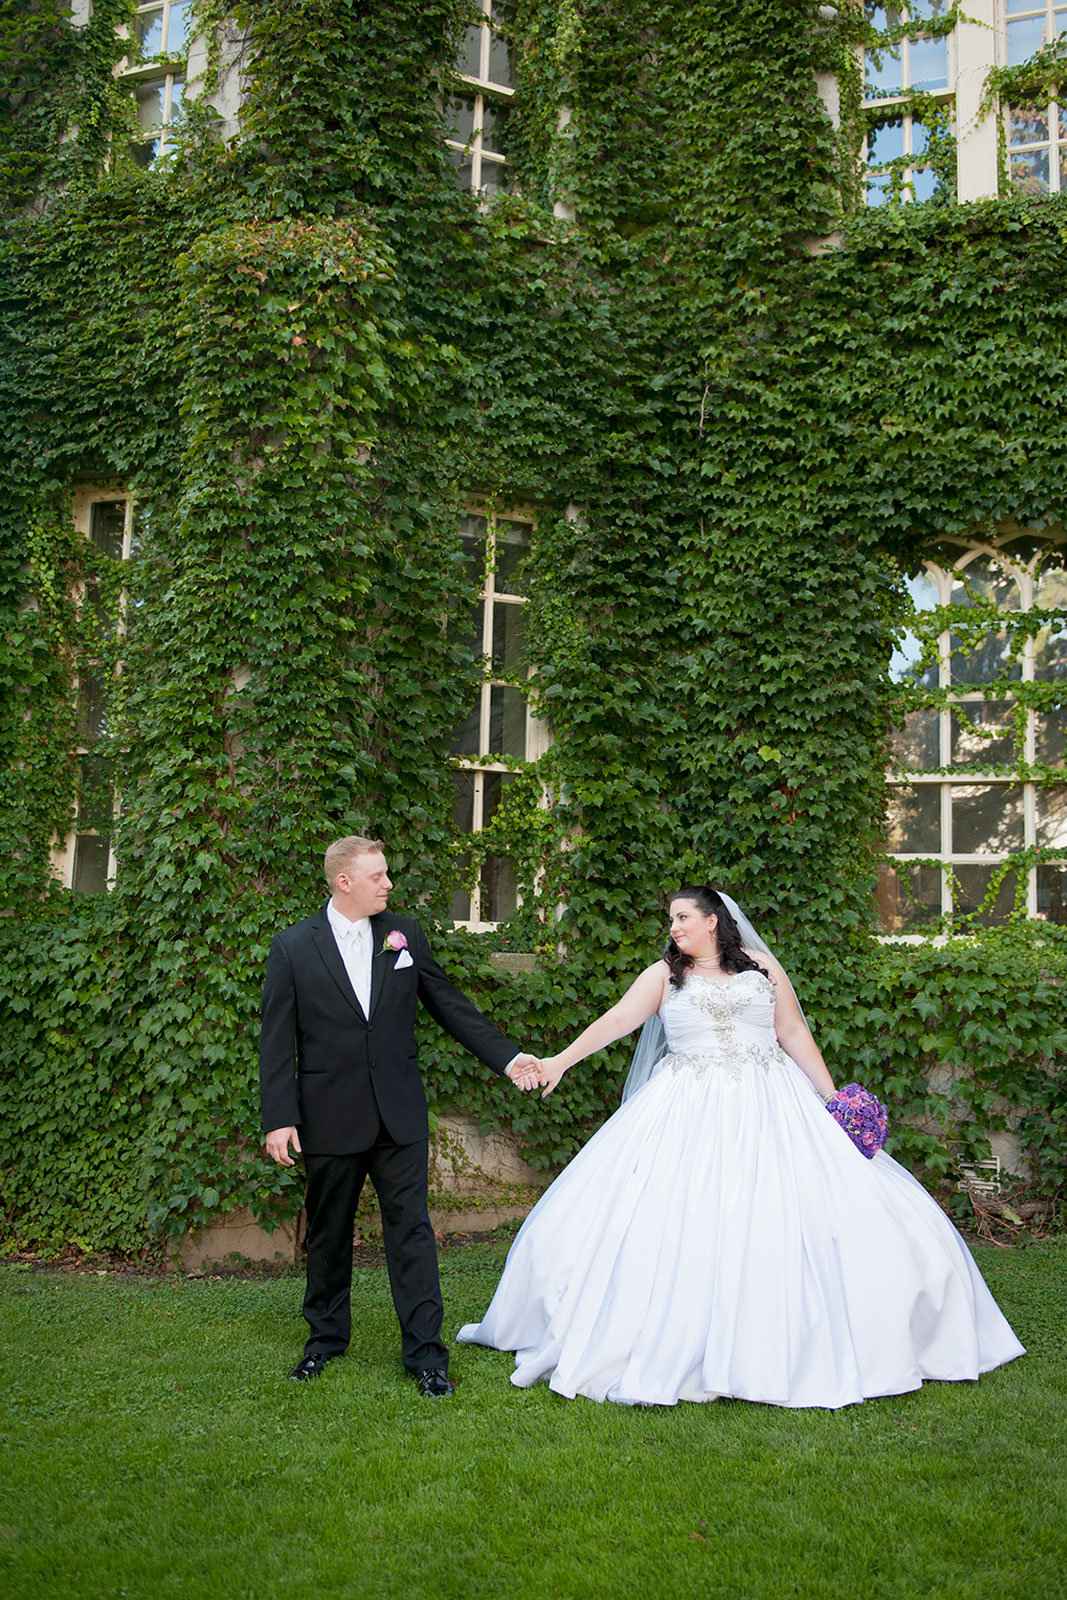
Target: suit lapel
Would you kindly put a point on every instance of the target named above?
(382, 960)
(326, 945)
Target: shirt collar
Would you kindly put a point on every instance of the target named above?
(342, 926)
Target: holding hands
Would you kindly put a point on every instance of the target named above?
(535, 1072)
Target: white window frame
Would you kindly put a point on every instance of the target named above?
(1055, 145)
(64, 851)
(949, 779)
(536, 732)
(887, 103)
(150, 74)
(480, 87)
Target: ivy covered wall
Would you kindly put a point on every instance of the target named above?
(300, 353)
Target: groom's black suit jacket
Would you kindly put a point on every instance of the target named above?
(338, 1076)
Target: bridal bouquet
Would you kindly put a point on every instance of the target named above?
(863, 1118)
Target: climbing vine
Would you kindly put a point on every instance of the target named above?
(301, 351)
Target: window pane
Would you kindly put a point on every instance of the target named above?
(917, 745)
(90, 710)
(177, 92)
(496, 176)
(906, 665)
(509, 636)
(494, 126)
(1029, 172)
(1052, 818)
(465, 629)
(908, 898)
(987, 819)
(883, 73)
(877, 191)
(178, 27)
(923, 184)
(459, 125)
(461, 900)
(145, 151)
(985, 579)
(91, 855)
(495, 785)
(463, 801)
(507, 722)
(1052, 582)
(148, 31)
(149, 98)
(469, 60)
(1050, 653)
(1052, 893)
(512, 544)
(1024, 38)
(927, 10)
(96, 800)
(972, 886)
(928, 63)
(500, 897)
(982, 660)
(1029, 124)
(107, 525)
(982, 733)
(464, 740)
(462, 164)
(1051, 736)
(914, 819)
(885, 143)
(499, 60)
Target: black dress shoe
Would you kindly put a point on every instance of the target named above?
(310, 1367)
(434, 1383)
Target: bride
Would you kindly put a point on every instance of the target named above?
(721, 1235)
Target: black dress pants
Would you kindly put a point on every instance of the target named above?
(399, 1175)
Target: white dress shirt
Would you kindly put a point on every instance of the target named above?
(354, 941)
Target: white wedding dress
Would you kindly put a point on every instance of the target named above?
(720, 1235)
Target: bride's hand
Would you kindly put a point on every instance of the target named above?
(551, 1073)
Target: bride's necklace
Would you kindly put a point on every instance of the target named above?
(707, 961)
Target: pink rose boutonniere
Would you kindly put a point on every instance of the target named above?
(398, 943)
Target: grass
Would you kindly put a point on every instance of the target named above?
(151, 1448)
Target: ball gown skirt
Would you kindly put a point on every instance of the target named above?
(720, 1235)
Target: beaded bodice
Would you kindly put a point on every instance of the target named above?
(726, 1024)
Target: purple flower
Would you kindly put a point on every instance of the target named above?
(863, 1117)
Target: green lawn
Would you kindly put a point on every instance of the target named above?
(152, 1448)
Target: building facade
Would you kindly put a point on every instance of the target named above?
(594, 447)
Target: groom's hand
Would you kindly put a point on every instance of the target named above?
(524, 1072)
(278, 1144)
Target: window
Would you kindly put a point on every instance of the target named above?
(85, 860)
(499, 732)
(894, 73)
(978, 795)
(155, 72)
(1037, 132)
(478, 111)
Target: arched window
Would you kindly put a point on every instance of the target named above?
(977, 824)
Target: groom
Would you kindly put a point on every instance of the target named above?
(340, 1084)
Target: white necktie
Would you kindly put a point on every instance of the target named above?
(361, 950)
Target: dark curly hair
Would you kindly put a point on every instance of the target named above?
(732, 955)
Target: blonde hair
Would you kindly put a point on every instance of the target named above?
(343, 852)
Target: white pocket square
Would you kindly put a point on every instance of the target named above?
(403, 960)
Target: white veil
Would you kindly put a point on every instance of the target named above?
(652, 1045)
